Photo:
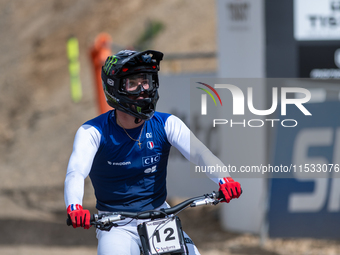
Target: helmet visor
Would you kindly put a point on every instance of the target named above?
(136, 83)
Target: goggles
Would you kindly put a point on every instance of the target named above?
(137, 83)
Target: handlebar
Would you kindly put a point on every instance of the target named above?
(106, 221)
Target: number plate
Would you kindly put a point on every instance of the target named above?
(163, 235)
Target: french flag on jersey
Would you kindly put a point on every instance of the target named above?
(150, 145)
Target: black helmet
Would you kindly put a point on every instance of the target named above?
(128, 73)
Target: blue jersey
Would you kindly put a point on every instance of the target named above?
(127, 177)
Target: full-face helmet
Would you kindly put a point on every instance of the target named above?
(129, 74)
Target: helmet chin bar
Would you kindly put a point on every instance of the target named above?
(147, 107)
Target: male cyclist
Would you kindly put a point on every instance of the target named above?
(127, 167)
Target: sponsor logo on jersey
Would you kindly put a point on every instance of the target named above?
(119, 163)
(150, 170)
(148, 135)
(151, 160)
(150, 145)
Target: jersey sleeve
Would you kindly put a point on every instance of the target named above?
(85, 147)
(180, 136)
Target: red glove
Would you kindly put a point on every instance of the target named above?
(230, 189)
(78, 216)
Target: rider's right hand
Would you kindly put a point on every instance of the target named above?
(79, 216)
(230, 189)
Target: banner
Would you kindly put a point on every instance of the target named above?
(307, 202)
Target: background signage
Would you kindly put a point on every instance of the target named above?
(321, 62)
(316, 19)
(303, 206)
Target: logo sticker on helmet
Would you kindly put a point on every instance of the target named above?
(110, 82)
(146, 58)
(109, 63)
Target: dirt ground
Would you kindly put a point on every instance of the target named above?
(38, 119)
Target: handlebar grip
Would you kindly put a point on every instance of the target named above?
(69, 222)
(219, 194)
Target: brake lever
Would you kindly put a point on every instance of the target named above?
(106, 222)
(217, 201)
(106, 227)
